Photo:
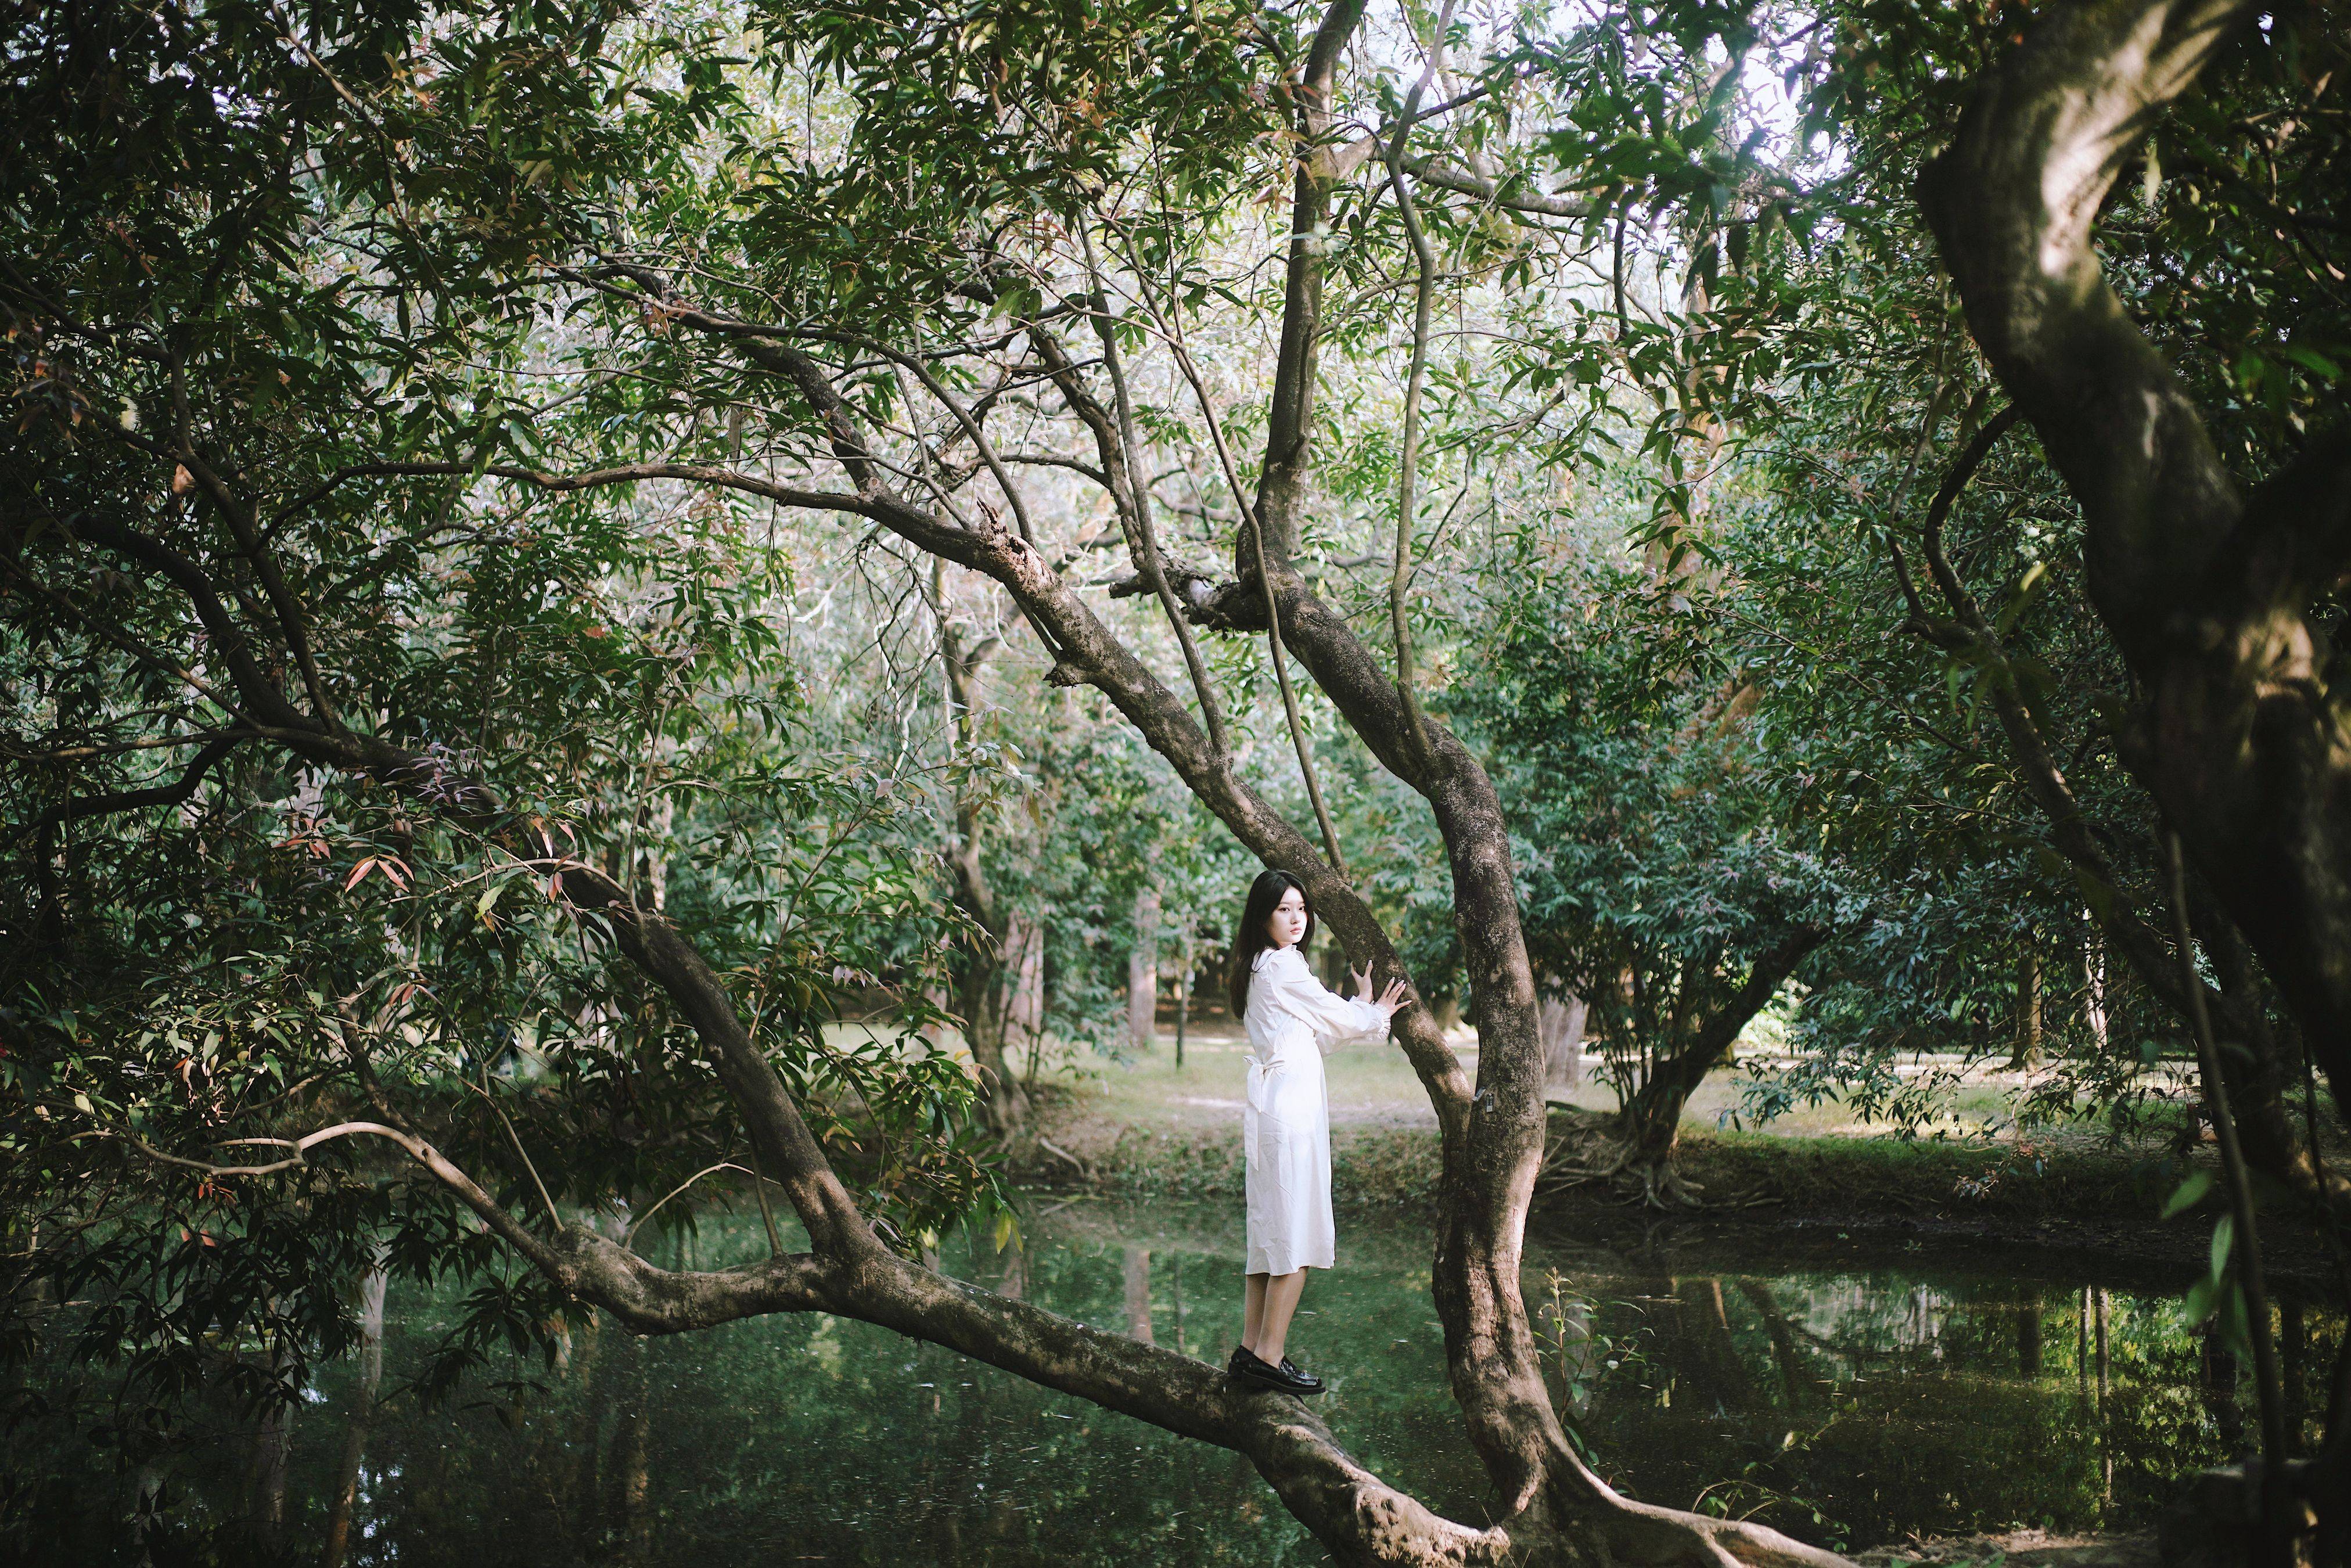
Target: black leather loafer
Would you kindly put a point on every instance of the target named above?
(1247, 1367)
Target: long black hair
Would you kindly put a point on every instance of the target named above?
(1253, 936)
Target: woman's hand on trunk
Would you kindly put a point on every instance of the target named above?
(1393, 999)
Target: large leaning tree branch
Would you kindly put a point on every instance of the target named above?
(1171, 326)
(1492, 1136)
(2256, 1075)
(848, 1271)
(2205, 589)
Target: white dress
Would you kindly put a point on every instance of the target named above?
(1293, 1022)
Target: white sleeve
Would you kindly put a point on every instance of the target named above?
(1337, 1022)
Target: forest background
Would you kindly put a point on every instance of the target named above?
(549, 552)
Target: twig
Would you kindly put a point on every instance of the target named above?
(759, 1188)
(523, 1153)
(629, 1234)
(1175, 334)
(1147, 559)
(467, 1189)
(2240, 1203)
(1424, 294)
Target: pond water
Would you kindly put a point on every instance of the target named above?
(1850, 1395)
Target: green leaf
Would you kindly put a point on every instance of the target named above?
(2224, 1234)
(2188, 1194)
(2311, 359)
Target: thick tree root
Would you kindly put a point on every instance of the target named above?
(1579, 1155)
(1579, 1519)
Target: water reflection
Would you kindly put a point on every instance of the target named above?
(1849, 1398)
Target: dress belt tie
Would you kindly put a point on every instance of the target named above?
(1260, 1072)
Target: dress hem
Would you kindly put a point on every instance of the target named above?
(1260, 1263)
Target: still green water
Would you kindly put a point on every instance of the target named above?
(1850, 1396)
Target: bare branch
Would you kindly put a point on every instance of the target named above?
(1415, 382)
(178, 792)
(468, 1191)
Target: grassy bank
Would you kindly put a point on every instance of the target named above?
(1383, 1165)
(1148, 1127)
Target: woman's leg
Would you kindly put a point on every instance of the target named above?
(1252, 1307)
(1282, 1293)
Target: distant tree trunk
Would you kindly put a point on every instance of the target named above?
(2098, 1329)
(1143, 972)
(2094, 989)
(1183, 1001)
(273, 1442)
(629, 1482)
(1024, 975)
(1649, 1122)
(1559, 1024)
(2028, 1007)
(1138, 1294)
(981, 984)
(337, 1550)
(984, 1000)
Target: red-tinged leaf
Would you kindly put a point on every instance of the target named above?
(357, 872)
(554, 888)
(397, 870)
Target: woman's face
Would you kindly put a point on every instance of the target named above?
(1287, 924)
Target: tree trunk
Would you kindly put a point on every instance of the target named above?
(1183, 1003)
(628, 1479)
(1650, 1129)
(1138, 1294)
(2094, 989)
(2027, 1053)
(1559, 1024)
(1143, 972)
(2207, 590)
(1699, 1036)
(982, 984)
(337, 1550)
(984, 1002)
(1024, 979)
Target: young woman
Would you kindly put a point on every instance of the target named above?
(1292, 1022)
